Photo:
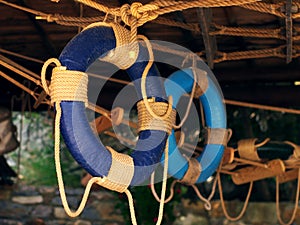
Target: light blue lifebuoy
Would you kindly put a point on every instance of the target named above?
(179, 83)
(84, 146)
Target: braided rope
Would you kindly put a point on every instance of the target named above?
(242, 212)
(248, 32)
(250, 54)
(263, 7)
(136, 14)
(147, 122)
(278, 213)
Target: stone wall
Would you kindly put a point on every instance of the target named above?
(28, 205)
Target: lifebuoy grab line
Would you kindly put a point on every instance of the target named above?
(196, 170)
(101, 40)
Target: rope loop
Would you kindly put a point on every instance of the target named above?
(43, 73)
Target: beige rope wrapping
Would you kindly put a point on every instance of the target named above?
(125, 53)
(120, 173)
(248, 149)
(294, 159)
(217, 136)
(68, 85)
(192, 173)
(146, 121)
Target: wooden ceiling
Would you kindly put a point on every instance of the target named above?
(258, 78)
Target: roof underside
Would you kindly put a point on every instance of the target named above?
(226, 37)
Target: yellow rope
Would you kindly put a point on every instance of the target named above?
(63, 88)
(188, 108)
(223, 203)
(137, 14)
(154, 193)
(162, 196)
(260, 106)
(207, 204)
(72, 86)
(147, 122)
(143, 83)
(59, 95)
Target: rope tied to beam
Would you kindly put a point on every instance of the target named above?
(138, 13)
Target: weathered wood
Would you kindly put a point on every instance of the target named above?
(255, 173)
(205, 17)
(289, 30)
(288, 176)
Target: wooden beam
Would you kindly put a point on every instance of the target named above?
(280, 96)
(44, 37)
(289, 30)
(210, 43)
(241, 74)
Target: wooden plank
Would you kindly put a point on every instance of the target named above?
(288, 176)
(255, 173)
(210, 43)
(289, 31)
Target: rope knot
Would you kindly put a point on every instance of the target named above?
(137, 13)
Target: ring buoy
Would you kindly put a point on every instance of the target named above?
(197, 170)
(95, 42)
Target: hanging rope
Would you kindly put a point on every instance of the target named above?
(295, 206)
(241, 214)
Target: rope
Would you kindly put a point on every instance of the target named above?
(247, 32)
(238, 217)
(150, 11)
(188, 108)
(264, 107)
(21, 56)
(154, 193)
(57, 99)
(143, 83)
(147, 122)
(273, 9)
(19, 70)
(207, 204)
(263, 7)
(65, 87)
(126, 52)
(32, 11)
(250, 54)
(295, 206)
(162, 200)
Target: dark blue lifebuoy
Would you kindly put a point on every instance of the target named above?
(179, 83)
(84, 146)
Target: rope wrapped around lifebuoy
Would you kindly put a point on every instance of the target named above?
(196, 170)
(105, 41)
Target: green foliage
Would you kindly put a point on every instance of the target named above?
(36, 153)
